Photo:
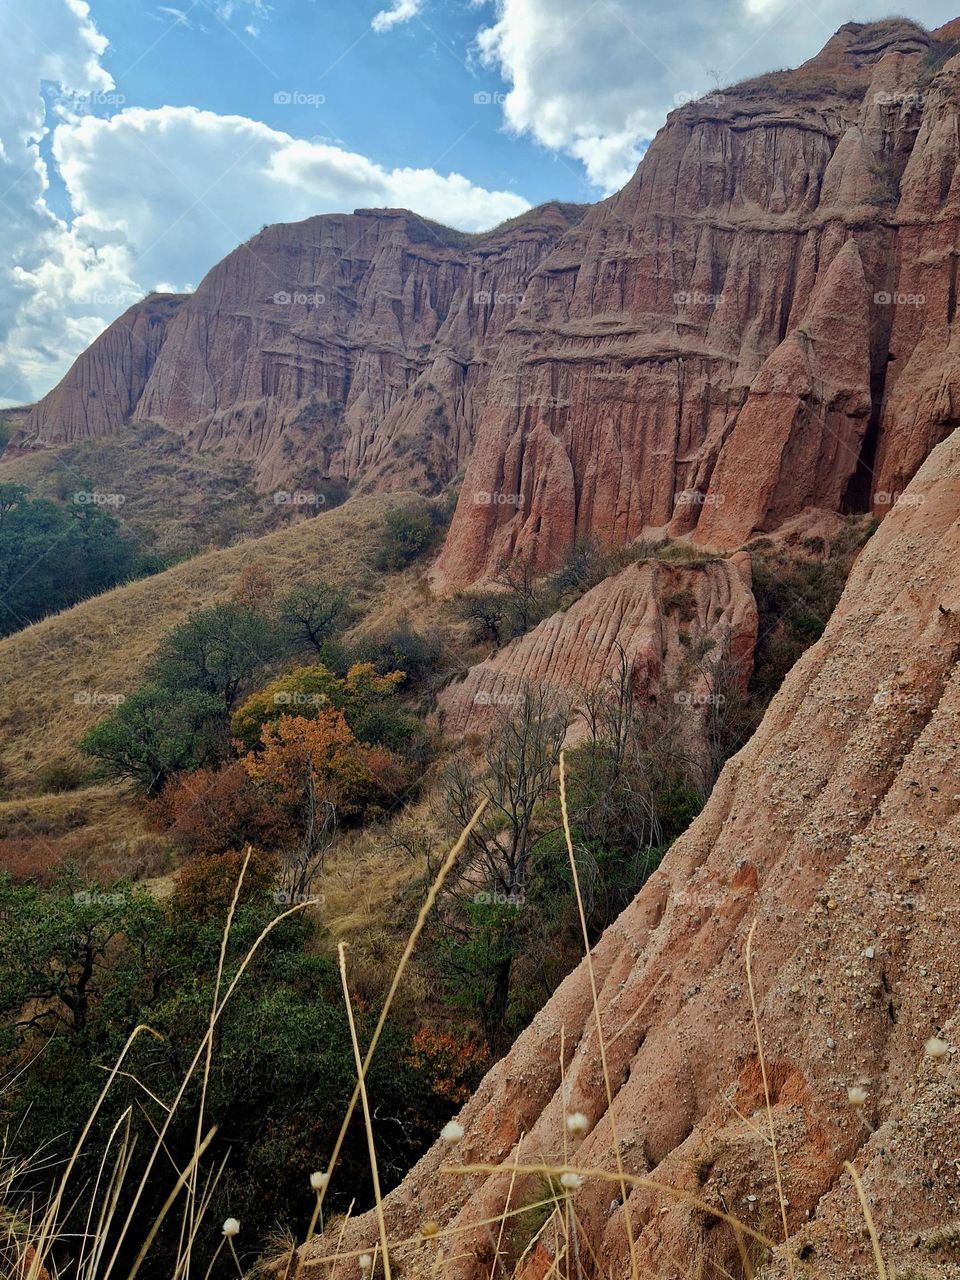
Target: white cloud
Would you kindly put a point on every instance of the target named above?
(158, 196)
(595, 78)
(400, 11)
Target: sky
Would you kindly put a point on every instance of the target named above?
(141, 141)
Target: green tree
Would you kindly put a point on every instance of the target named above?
(216, 651)
(312, 614)
(153, 735)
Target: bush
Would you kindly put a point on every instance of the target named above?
(216, 652)
(152, 736)
(408, 533)
(212, 811)
(59, 776)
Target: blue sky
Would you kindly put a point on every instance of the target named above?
(143, 140)
(405, 96)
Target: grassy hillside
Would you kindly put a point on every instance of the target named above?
(60, 676)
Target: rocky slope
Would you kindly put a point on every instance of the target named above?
(355, 347)
(837, 829)
(652, 615)
(761, 321)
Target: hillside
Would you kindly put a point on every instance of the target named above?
(837, 829)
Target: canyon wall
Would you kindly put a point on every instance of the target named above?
(760, 322)
(352, 347)
(836, 830)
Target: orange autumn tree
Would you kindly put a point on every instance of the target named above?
(317, 772)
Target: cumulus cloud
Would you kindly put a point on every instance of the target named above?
(400, 11)
(157, 196)
(595, 78)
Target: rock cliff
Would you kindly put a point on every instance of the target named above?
(354, 347)
(761, 321)
(836, 829)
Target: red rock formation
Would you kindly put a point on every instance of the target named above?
(653, 614)
(712, 348)
(345, 346)
(101, 390)
(836, 829)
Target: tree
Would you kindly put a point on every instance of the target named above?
(318, 774)
(215, 811)
(152, 736)
(51, 557)
(216, 651)
(485, 920)
(408, 533)
(368, 701)
(312, 614)
(525, 600)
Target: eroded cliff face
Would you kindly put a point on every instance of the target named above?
(104, 385)
(653, 617)
(353, 347)
(761, 321)
(836, 829)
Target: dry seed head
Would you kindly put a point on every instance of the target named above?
(366, 1262)
(856, 1095)
(570, 1181)
(452, 1131)
(231, 1228)
(319, 1180)
(430, 1229)
(936, 1048)
(577, 1123)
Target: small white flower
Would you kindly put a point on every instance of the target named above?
(570, 1181)
(366, 1262)
(452, 1131)
(231, 1228)
(856, 1095)
(319, 1180)
(936, 1048)
(577, 1123)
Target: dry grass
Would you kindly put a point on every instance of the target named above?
(561, 1232)
(99, 648)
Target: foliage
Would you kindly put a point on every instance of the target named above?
(216, 651)
(151, 736)
(368, 701)
(79, 971)
(484, 923)
(312, 615)
(213, 811)
(408, 533)
(53, 556)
